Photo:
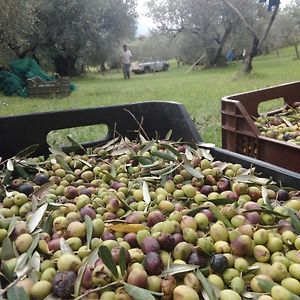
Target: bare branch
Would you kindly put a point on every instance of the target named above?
(242, 18)
(275, 11)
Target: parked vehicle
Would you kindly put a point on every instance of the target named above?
(148, 65)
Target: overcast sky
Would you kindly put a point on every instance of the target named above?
(145, 24)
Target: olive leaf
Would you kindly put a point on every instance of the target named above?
(7, 177)
(126, 228)
(144, 160)
(27, 151)
(75, 145)
(206, 154)
(171, 149)
(22, 262)
(7, 251)
(109, 176)
(267, 211)
(42, 190)
(10, 165)
(90, 260)
(191, 170)
(168, 135)
(57, 151)
(147, 147)
(188, 154)
(37, 217)
(64, 246)
(194, 211)
(7, 272)
(146, 194)
(206, 285)
(266, 285)
(251, 295)
(11, 226)
(108, 260)
(162, 171)
(294, 220)
(83, 162)
(63, 163)
(89, 230)
(253, 179)
(140, 293)
(113, 171)
(47, 225)
(34, 266)
(21, 171)
(287, 122)
(17, 293)
(177, 269)
(163, 155)
(265, 197)
(122, 261)
(220, 217)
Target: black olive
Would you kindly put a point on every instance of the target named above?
(219, 263)
(63, 284)
(26, 188)
(40, 178)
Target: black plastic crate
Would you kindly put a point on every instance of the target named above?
(157, 118)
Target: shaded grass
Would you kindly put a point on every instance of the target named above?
(200, 91)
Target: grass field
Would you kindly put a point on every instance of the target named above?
(200, 91)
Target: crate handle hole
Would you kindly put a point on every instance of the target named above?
(270, 105)
(81, 134)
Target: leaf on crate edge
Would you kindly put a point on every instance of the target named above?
(27, 151)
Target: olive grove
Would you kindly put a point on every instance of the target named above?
(66, 34)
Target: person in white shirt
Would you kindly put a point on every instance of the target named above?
(126, 61)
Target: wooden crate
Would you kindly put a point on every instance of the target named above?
(44, 89)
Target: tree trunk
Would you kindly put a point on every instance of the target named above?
(297, 51)
(248, 61)
(219, 60)
(65, 65)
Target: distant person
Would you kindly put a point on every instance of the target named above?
(244, 55)
(126, 61)
(230, 56)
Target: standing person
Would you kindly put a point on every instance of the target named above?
(126, 61)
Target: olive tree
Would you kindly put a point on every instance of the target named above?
(254, 22)
(206, 22)
(66, 32)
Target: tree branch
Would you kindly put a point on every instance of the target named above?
(275, 11)
(242, 18)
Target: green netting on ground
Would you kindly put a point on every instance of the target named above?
(28, 68)
(13, 82)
